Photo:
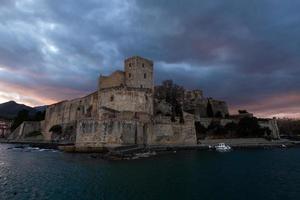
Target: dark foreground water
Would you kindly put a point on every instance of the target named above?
(241, 174)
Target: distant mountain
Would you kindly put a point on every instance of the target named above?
(10, 109)
(40, 108)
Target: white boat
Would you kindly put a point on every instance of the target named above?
(222, 147)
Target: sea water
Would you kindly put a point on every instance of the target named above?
(240, 174)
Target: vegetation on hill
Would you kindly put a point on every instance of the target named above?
(289, 127)
(23, 115)
(10, 109)
(246, 128)
(172, 94)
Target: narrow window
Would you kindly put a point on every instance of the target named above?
(145, 75)
(141, 86)
(129, 64)
(143, 65)
(112, 98)
(129, 75)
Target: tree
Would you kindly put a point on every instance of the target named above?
(231, 128)
(209, 110)
(22, 116)
(219, 115)
(181, 118)
(200, 130)
(249, 127)
(39, 116)
(243, 111)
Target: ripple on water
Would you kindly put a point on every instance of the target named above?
(246, 174)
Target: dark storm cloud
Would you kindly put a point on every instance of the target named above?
(240, 51)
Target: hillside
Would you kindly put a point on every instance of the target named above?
(10, 109)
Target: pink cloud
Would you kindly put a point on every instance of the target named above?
(281, 105)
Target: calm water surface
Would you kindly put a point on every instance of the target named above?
(241, 174)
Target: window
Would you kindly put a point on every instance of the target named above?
(129, 75)
(129, 64)
(112, 98)
(145, 75)
(141, 86)
(143, 65)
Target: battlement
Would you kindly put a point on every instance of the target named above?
(138, 59)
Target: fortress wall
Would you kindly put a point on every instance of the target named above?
(115, 79)
(205, 121)
(69, 111)
(24, 129)
(113, 132)
(123, 99)
(139, 72)
(272, 125)
(202, 108)
(197, 107)
(219, 106)
(193, 95)
(269, 123)
(174, 133)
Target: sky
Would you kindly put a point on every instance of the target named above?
(246, 53)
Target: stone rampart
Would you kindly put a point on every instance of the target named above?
(112, 132)
(70, 111)
(25, 129)
(167, 132)
(272, 125)
(124, 99)
(114, 80)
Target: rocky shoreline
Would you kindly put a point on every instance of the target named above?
(134, 151)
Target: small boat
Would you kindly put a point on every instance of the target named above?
(283, 146)
(222, 147)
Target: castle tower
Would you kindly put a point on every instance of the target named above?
(138, 72)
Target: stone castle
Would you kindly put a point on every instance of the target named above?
(127, 109)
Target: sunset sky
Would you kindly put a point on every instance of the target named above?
(244, 52)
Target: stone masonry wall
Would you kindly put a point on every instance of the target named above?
(112, 132)
(174, 133)
(69, 111)
(126, 99)
(25, 128)
(139, 72)
(219, 106)
(114, 80)
(272, 125)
